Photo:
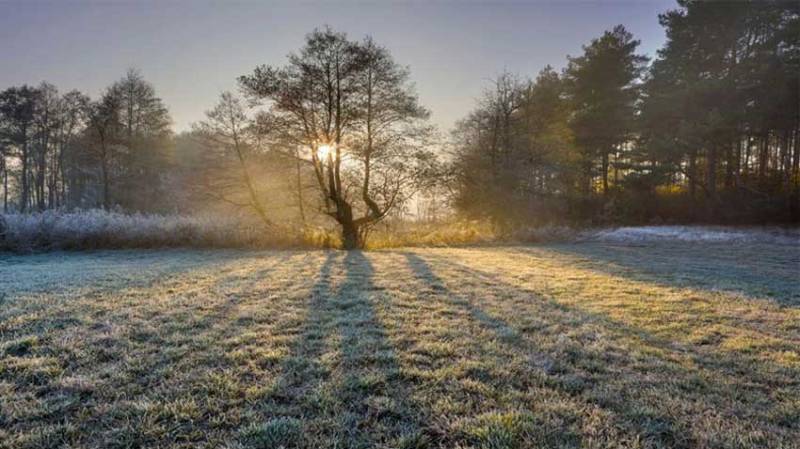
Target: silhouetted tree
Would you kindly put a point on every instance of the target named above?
(721, 103)
(350, 109)
(130, 139)
(602, 87)
(228, 129)
(17, 122)
(143, 142)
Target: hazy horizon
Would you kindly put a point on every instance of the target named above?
(192, 51)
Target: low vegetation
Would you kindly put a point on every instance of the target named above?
(99, 229)
(598, 344)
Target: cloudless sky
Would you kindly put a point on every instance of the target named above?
(193, 50)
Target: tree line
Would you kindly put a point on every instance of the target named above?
(65, 150)
(707, 132)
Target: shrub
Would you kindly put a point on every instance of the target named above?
(448, 233)
(462, 233)
(99, 229)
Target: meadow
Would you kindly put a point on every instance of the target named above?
(598, 344)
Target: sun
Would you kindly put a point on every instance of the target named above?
(323, 151)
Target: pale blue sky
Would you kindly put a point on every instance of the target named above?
(193, 50)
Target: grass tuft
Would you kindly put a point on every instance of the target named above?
(277, 433)
(21, 346)
(502, 430)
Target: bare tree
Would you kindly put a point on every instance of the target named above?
(143, 140)
(229, 128)
(72, 109)
(103, 127)
(45, 123)
(353, 114)
(129, 130)
(17, 121)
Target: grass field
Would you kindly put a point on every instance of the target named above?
(573, 345)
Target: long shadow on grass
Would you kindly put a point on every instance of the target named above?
(96, 271)
(238, 290)
(341, 376)
(691, 310)
(756, 270)
(194, 323)
(139, 360)
(184, 356)
(301, 370)
(121, 278)
(580, 371)
(378, 409)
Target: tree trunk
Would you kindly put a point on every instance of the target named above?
(588, 182)
(106, 186)
(62, 188)
(796, 160)
(255, 202)
(711, 180)
(351, 238)
(746, 167)
(299, 181)
(40, 181)
(5, 187)
(785, 164)
(605, 173)
(729, 166)
(737, 168)
(763, 160)
(23, 201)
(693, 174)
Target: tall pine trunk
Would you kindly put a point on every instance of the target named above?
(5, 184)
(693, 174)
(23, 200)
(711, 180)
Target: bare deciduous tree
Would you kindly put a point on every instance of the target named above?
(228, 128)
(352, 112)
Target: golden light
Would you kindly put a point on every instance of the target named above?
(323, 151)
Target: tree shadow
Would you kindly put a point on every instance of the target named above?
(758, 271)
(301, 369)
(95, 271)
(608, 375)
(135, 274)
(157, 343)
(697, 315)
(341, 375)
(377, 400)
(202, 320)
(215, 370)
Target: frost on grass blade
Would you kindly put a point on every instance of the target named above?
(94, 229)
(696, 234)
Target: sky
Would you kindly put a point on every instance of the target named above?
(194, 50)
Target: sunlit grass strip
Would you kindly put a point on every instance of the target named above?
(683, 315)
(613, 359)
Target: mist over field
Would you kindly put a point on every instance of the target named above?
(480, 225)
